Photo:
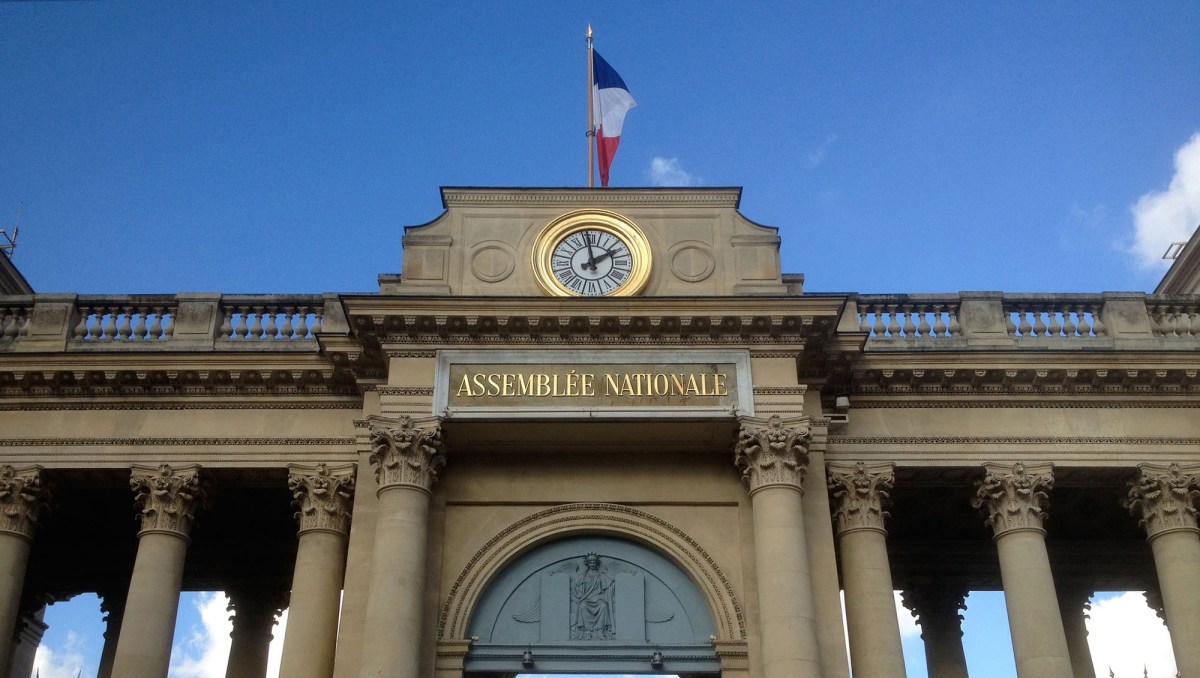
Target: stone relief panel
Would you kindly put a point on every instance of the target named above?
(592, 590)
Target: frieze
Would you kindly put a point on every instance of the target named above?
(411, 354)
(859, 493)
(426, 391)
(780, 390)
(167, 497)
(563, 518)
(1163, 498)
(1039, 403)
(142, 442)
(153, 405)
(323, 496)
(1009, 440)
(1014, 498)
(22, 497)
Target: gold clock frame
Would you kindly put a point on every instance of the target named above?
(601, 220)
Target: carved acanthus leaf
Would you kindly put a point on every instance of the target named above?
(1164, 497)
(167, 497)
(772, 451)
(860, 492)
(22, 496)
(323, 496)
(935, 604)
(406, 451)
(1015, 498)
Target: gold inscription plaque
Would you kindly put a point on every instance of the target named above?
(592, 385)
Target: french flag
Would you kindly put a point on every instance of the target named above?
(611, 100)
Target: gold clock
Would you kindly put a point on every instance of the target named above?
(591, 253)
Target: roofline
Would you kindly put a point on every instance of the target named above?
(1184, 275)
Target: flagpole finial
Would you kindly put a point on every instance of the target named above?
(589, 31)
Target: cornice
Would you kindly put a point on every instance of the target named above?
(456, 196)
(1121, 376)
(1010, 440)
(1042, 401)
(151, 405)
(164, 442)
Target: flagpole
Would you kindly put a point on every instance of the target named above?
(591, 126)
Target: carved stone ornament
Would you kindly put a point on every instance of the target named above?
(167, 497)
(323, 496)
(1015, 498)
(859, 494)
(1164, 498)
(772, 451)
(406, 451)
(935, 605)
(22, 497)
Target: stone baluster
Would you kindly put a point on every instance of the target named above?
(1014, 499)
(772, 455)
(936, 605)
(167, 499)
(1164, 500)
(859, 492)
(407, 455)
(22, 497)
(323, 495)
(255, 611)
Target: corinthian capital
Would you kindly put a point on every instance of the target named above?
(406, 451)
(859, 493)
(323, 495)
(1164, 498)
(167, 497)
(772, 451)
(22, 496)
(1015, 497)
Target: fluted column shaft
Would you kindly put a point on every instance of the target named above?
(1014, 500)
(255, 609)
(166, 497)
(772, 454)
(323, 495)
(21, 497)
(1164, 498)
(936, 606)
(407, 455)
(859, 492)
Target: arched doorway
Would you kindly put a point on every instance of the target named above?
(591, 604)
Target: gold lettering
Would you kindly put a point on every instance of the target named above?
(704, 389)
(506, 385)
(610, 384)
(524, 385)
(465, 387)
(587, 388)
(493, 381)
(543, 385)
(662, 385)
(627, 385)
(677, 382)
(572, 384)
(721, 388)
(554, 391)
(477, 380)
(691, 387)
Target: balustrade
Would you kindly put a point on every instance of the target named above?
(1057, 316)
(288, 319)
(125, 319)
(1179, 319)
(14, 322)
(894, 317)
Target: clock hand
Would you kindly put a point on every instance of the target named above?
(591, 262)
(600, 258)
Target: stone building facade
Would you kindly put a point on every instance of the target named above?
(599, 431)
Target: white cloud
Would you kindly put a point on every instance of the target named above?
(1125, 634)
(817, 155)
(65, 662)
(276, 652)
(908, 623)
(205, 651)
(1163, 217)
(668, 172)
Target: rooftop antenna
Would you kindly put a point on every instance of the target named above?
(10, 241)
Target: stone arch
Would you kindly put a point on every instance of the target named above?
(596, 519)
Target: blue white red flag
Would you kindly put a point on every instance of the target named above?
(611, 101)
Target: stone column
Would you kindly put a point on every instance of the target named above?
(167, 498)
(772, 455)
(22, 496)
(255, 611)
(112, 605)
(1014, 499)
(859, 492)
(936, 605)
(407, 454)
(1164, 500)
(1074, 603)
(323, 495)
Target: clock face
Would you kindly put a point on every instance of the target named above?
(591, 253)
(591, 262)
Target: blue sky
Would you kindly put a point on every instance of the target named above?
(900, 147)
